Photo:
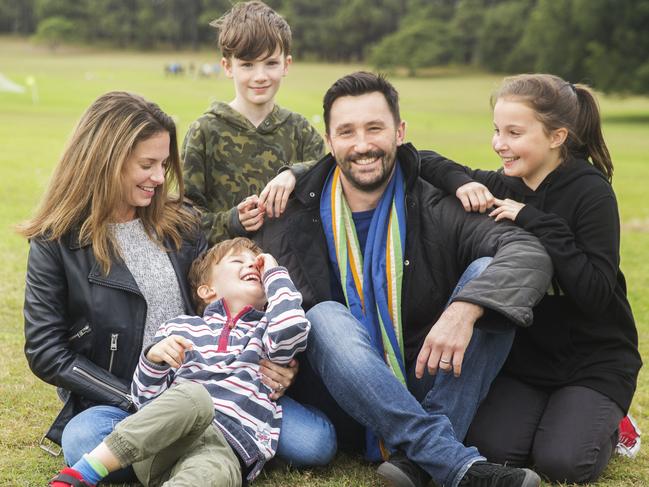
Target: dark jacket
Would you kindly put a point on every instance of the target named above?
(441, 240)
(83, 329)
(584, 333)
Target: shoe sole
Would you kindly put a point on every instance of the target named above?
(531, 478)
(393, 476)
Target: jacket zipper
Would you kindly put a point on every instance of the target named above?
(229, 324)
(83, 331)
(103, 384)
(113, 349)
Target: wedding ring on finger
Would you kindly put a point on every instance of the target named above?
(445, 362)
(279, 388)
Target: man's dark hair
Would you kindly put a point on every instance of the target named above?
(360, 83)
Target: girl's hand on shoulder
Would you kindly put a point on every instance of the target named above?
(506, 209)
(475, 196)
(275, 195)
(251, 213)
(170, 350)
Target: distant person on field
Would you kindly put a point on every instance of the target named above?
(570, 377)
(206, 417)
(233, 150)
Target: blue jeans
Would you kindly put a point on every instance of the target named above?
(428, 432)
(307, 437)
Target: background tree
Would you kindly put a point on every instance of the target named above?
(603, 42)
(55, 30)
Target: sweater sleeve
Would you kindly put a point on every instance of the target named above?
(311, 151)
(287, 327)
(216, 224)
(449, 175)
(586, 257)
(151, 379)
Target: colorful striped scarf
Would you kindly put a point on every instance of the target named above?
(371, 280)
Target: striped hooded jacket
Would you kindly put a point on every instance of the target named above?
(225, 359)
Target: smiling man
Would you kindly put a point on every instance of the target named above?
(377, 252)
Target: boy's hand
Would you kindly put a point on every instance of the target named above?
(475, 196)
(251, 213)
(265, 262)
(170, 350)
(275, 195)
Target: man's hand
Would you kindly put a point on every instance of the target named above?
(275, 195)
(448, 339)
(506, 209)
(251, 213)
(278, 377)
(475, 196)
(170, 350)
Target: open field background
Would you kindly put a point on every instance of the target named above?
(448, 112)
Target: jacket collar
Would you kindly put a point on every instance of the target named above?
(120, 277)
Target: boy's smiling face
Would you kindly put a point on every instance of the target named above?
(237, 279)
(256, 81)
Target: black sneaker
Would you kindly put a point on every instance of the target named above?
(485, 474)
(399, 471)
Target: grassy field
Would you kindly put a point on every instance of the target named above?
(449, 113)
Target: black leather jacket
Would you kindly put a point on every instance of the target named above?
(84, 329)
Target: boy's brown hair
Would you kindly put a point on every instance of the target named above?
(250, 30)
(201, 270)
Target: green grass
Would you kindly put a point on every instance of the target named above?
(448, 113)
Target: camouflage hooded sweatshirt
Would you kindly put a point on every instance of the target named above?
(226, 158)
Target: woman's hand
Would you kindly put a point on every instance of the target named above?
(170, 350)
(278, 377)
(275, 195)
(251, 213)
(475, 196)
(506, 209)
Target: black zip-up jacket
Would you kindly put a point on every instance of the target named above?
(584, 332)
(84, 329)
(441, 241)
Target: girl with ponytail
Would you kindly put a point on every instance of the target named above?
(570, 377)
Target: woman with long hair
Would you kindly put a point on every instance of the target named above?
(110, 250)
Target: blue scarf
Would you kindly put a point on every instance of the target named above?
(371, 280)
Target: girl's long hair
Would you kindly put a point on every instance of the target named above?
(86, 188)
(560, 104)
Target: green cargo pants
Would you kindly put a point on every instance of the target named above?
(172, 442)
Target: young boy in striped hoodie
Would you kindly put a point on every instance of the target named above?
(203, 371)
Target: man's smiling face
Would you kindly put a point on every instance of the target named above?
(363, 137)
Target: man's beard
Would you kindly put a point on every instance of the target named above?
(387, 164)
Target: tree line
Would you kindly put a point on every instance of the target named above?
(602, 42)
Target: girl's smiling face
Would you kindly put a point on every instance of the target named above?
(527, 149)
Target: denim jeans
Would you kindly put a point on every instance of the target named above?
(307, 437)
(428, 432)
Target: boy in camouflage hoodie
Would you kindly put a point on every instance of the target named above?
(233, 150)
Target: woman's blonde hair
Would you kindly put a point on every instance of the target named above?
(86, 189)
